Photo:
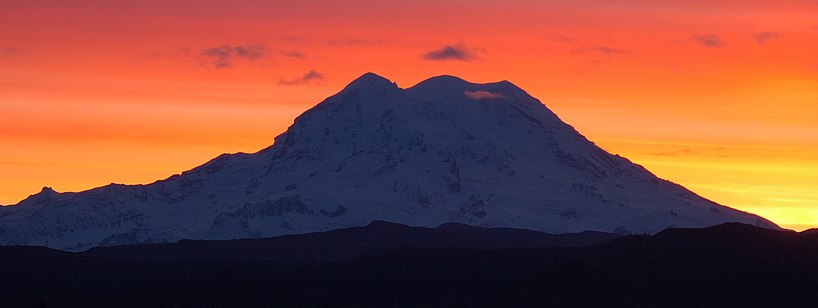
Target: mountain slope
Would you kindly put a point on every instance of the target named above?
(444, 150)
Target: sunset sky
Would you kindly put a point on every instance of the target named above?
(719, 96)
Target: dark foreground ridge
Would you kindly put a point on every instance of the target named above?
(344, 244)
(726, 265)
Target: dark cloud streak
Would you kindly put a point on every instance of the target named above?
(456, 52)
(763, 37)
(11, 51)
(610, 51)
(311, 77)
(675, 153)
(353, 41)
(709, 40)
(293, 54)
(222, 56)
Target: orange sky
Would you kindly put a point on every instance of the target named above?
(720, 96)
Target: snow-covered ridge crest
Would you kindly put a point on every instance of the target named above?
(444, 150)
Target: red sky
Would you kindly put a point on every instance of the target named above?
(720, 96)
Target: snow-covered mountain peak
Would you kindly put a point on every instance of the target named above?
(444, 150)
(370, 82)
(46, 194)
(442, 82)
(451, 89)
(47, 190)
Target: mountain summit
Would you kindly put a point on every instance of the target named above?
(444, 150)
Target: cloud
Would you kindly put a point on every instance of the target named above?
(222, 56)
(457, 52)
(354, 41)
(675, 153)
(311, 77)
(610, 51)
(293, 39)
(250, 52)
(564, 39)
(483, 95)
(11, 51)
(763, 37)
(709, 40)
(293, 54)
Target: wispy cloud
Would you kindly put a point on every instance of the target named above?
(354, 41)
(609, 50)
(311, 77)
(293, 54)
(606, 50)
(709, 40)
(222, 56)
(483, 95)
(675, 153)
(763, 37)
(11, 51)
(457, 52)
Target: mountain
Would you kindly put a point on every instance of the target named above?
(444, 150)
(725, 265)
(344, 244)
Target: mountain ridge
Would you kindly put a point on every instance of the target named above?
(348, 243)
